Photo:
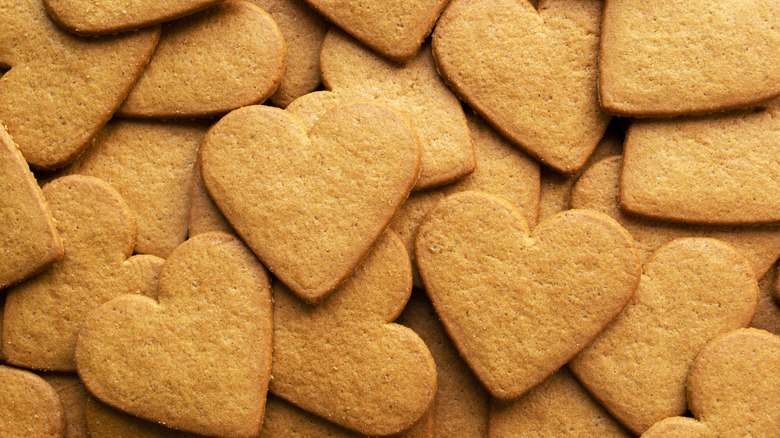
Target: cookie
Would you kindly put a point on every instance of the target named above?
(204, 215)
(531, 74)
(355, 73)
(312, 215)
(767, 316)
(201, 350)
(105, 18)
(597, 189)
(460, 407)
(344, 361)
(73, 396)
(210, 63)
(691, 291)
(29, 241)
(61, 89)
(396, 29)
(688, 58)
(43, 315)
(559, 406)
(709, 170)
(303, 30)
(29, 407)
(106, 422)
(733, 389)
(535, 299)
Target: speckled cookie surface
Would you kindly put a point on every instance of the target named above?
(693, 57)
(210, 63)
(535, 299)
(73, 396)
(691, 291)
(43, 315)
(285, 420)
(343, 359)
(767, 316)
(61, 89)
(204, 215)
(202, 348)
(106, 422)
(29, 407)
(311, 215)
(531, 74)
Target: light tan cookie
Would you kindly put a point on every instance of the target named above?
(691, 291)
(534, 299)
(43, 315)
(344, 361)
(688, 57)
(284, 420)
(303, 30)
(733, 389)
(209, 63)
(597, 189)
(395, 29)
(767, 316)
(106, 422)
(29, 407)
(355, 73)
(61, 89)
(559, 406)
(202, 350)
(531, 74)
(109, 17)
(73, 396)
(313, 214)
(461, 404)
(204, 214)
(29, 241)
(152, 165)
(712, 170)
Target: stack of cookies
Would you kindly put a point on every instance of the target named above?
(418, 218)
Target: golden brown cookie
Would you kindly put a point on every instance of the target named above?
(43, 315)
(534, 299)
(733, 389)
(152, 165)
(355, 73)
(109, 17)
(691, 291)
(61, 89)
(767, 316)
(531, 74)
(313, 214)
(106, 422)
(285, 420)
(210, 63)
(710, 170)
(29, 407)
(344, 361)
(73, 396)
(693, 57)
(204, 214)
(558, 407)
(394, 29)
(597, 189)
(201, 351)
(29, 241)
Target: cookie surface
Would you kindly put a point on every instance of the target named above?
(29, 407)
(208, 384)
(533, 298)
(310, 216)
(106, 422)
(688, 57)
(767, 316)
(531, 74)
(73, 396)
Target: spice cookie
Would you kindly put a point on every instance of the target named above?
(311, 215)
(61, 89)
(29, 407)
(106, 422)
(531, 74)
(43, 315)
(73, 396)
(343, 360)
(211, 384)
(210, 63)
(204, 214)
(284, 420)
(767, 316)
(29, 241)
(691, 291)
(733, 389)
(535, 299)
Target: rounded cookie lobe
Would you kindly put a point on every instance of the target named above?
(29, 407)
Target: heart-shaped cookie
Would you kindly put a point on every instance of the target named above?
(73, 396)
(343, 361)
(106, 422)
(202, 350)
(209, 63)
(691, 291)
(733, 389)
(693, 57)
(519, 305)
(310, 205)
(531, 74)
(29, 407)
(61, 89)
